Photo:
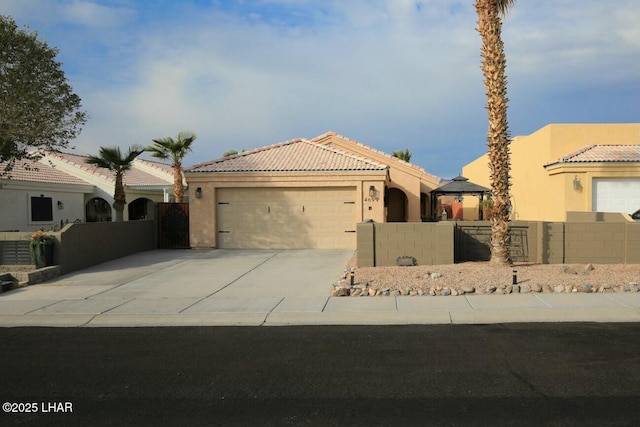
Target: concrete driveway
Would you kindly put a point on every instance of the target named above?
(183, 282)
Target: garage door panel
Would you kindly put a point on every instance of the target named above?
(286, 218)
(616, 195)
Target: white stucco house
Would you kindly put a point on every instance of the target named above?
(61, 188)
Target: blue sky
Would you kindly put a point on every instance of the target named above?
(392, 74)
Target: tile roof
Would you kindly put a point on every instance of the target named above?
(296, 155)
(132, 177)
(601, 154)
(381, 153)
(34, 171)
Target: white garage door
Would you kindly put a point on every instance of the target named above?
(616, 195)
(291, 218)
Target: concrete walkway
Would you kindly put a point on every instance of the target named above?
(269, 287)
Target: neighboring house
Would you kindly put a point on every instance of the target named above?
(302, 194)
(61, 188)
(569, 167)
(40, 196)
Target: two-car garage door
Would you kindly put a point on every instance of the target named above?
(286, 218)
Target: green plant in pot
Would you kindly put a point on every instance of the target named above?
(41, 249)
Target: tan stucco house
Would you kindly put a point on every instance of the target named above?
(569, 167)
(302, 193)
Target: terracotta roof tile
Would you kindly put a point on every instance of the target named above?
(602, 154)
(133, 176)
(382, 153)
(296, 155)
(35, 171)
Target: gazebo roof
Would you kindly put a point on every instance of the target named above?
(460, 185)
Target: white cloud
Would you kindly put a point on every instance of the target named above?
(394, 74)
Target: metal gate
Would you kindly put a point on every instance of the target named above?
(173, 225)
(472, 243)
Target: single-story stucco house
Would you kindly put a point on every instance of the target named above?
(302, 193)
(569, 167)
(62, 187)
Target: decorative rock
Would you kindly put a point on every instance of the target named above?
(385, 290)
(435, 275)
(515, 289)
(405, 291)
(454, 292)
(342, 292)
(633, 288)
(589, 267)
(394, 293)
(468, 289)
(356, 292)
(525, 288)
(445, 292)
(509, 288)
(420, 292)
(569, 270)
(372, 292)
(432, 293)
(559, 289)
(623, 288)
(491, 289)
(535, 287)
(500, 291)
(413, 293)
(585, 288)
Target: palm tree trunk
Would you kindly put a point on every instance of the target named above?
(119, 198)
(178, 188)
(493, 69)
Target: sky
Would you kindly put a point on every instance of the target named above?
(391, 74)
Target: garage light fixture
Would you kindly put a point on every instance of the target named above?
(576, 183)
(60, 205)
(198, 192)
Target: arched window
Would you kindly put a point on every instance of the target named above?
(97, 210)
(140, 209)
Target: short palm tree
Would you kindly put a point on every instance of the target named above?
(495, 81)
(176, 150)
(111, 158)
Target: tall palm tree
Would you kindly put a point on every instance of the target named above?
(495, 82)
(111, 158)
(176, 150)
(403, 155)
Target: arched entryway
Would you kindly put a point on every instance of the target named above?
(97, 210)
(141, 208)
(396, 205)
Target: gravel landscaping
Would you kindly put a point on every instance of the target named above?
(483, 278)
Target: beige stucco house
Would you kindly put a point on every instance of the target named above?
(302, 193)
(569, 167)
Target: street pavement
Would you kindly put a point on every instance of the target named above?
(270, 288)
(518, 374)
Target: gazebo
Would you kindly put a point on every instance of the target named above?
(459, 186)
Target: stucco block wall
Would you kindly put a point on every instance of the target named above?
(83, 245)
(633, 243)
(382, 244)
(598, 243)
(546, 242)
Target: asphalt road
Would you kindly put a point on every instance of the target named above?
(446, 375)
